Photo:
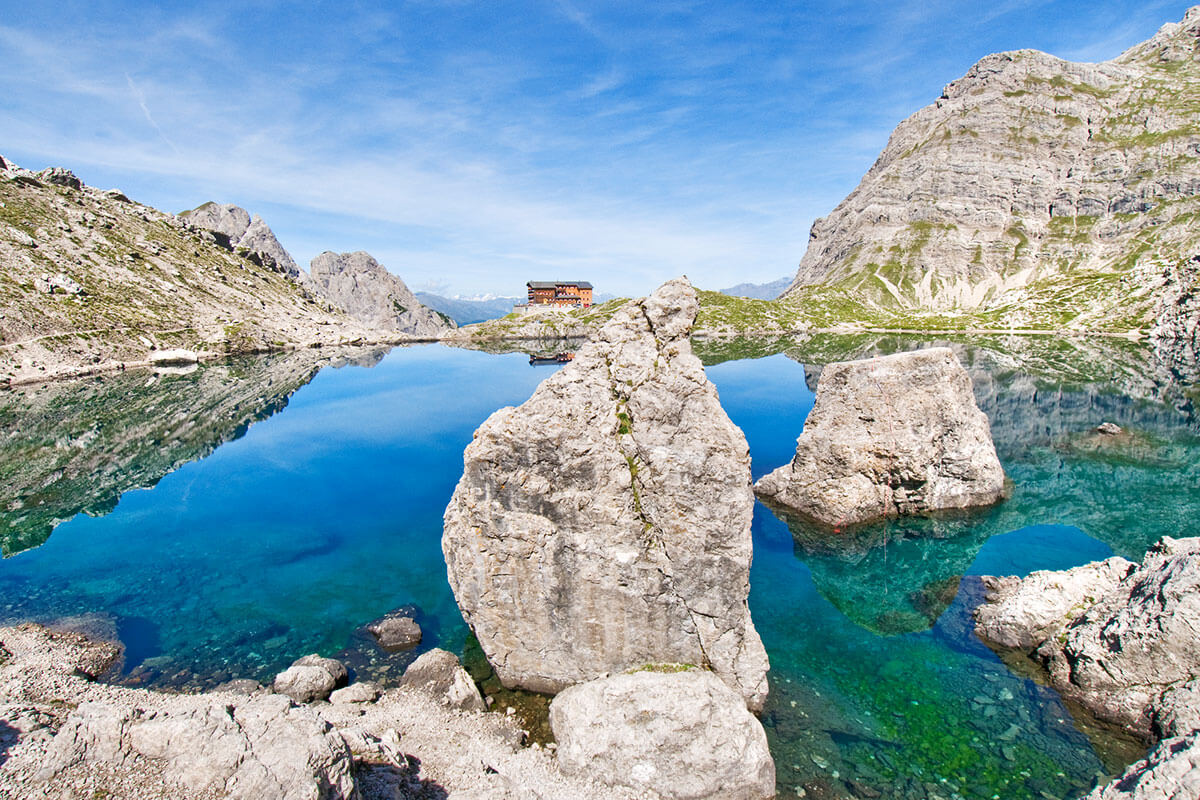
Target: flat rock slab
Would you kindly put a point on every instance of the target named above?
(886, 437)
(605, 523)
(682, 735)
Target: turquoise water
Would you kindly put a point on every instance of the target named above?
(320, 509)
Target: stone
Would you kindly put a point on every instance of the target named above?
(605, 523)
(1133, 647)
(174, 356)
(1023, 612)
(1109, 429)
(241, 686)
(253, 748)
(889, 436)
(439, 673)
(310, 678)
(1170, 772)
(676, 734)
(361, 692)
(60, 177)
(396, 632)
(370, 293)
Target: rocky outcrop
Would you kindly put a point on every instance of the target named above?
(1170, 772)
(439, 673)
(1024, 612)
(680, 735)
(1115, 637)
(1035, 192)
(248, 234)
(368, 292)
(605, 523)
(889, 436)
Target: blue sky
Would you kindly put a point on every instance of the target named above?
(471, 146)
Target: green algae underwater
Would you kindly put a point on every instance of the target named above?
(225, 521)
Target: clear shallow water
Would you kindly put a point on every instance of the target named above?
(309, 523)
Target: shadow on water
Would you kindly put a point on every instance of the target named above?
(8, 738)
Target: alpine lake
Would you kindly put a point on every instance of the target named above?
(226, 520)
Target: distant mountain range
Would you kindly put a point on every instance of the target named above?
(759, 291)
(465, 312)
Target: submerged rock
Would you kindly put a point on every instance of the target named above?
(395, 632)
(1118, 638)
(679, 735)
(890, 436)
(605, 523)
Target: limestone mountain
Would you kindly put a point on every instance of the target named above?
(1035, 192)
(247, 234)
(92, 281)
(374, 296)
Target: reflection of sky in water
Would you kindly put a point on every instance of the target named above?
(327, 515)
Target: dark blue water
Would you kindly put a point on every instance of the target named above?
(316, 519)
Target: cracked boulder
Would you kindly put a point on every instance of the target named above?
(890, 436)
(605, 523)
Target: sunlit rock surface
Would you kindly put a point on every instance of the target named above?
(605, 523)
(890, 436)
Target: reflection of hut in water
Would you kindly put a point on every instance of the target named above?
(557, 358)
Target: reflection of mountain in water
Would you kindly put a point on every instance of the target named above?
(1044, 398)
(77, 446)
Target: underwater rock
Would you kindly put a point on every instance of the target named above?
(396, 632)
(605, 523)
(311, 678)
(890, 436)
(439, 673)
(1114, 653)
(677, 734)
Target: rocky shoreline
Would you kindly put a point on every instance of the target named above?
(1119, 639)
(63, 734)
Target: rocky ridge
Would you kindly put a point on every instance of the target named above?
(94, 282)
(1035, 192)
(245, 233)
(369, 293)
(605, 523)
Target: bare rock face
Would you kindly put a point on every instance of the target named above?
(1129, 655)
(249, 748)
(605, 523)
(248, 233)
(1023, 613)
(1170, 772)
(1045, 192)
(683, 736)
(368, 292)
(889, 436)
